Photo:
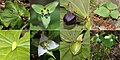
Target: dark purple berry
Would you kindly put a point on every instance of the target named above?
(69, 18)
(44, 8)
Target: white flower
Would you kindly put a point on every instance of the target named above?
(50, 45)
(107, 37)
(97, 35)
(111, 40)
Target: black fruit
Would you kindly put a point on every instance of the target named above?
(69, 18)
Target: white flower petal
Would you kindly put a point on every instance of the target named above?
(43, 38)
(111, 40)
(52, 45)
(107, 37)
(97, 35)
(41, 50)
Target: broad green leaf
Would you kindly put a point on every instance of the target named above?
(81, 7)
(32, 27)
(102, 4)
(17, 8)
(109, 42)
(45, 21)
(25, 39)
(84, 52)
(10, 5)
(97, 38)
(86, 4)
(18, 22)
(9, 47)
(51, 59)
(7, 17)
(65, 53)
(22, 10)
(70, 35)
(37, 8)
(111, 6)
(51, 6)
(114, 14)
(55, 21)
(102, 11)
(75, 47)
(53, 34)
(64, 3)
(86, 39)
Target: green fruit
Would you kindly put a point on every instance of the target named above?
(75, 47)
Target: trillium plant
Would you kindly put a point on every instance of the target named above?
(45, 46)
(45, 12)
(74, 44)
(107, 41)
(103, 44)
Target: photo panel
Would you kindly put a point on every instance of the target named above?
(45, 45)
(14, 14)
(105, 45)
(74, 14)
(105, 15)
(14, 45)
(45, 15)
(75, 45)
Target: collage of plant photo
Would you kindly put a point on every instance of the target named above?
(59, 30)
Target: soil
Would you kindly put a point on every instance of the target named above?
(101, 23)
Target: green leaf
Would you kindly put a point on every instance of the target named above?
(81, 7)
(97, 38)
(84, 52)
(70, 35)
(7, 16)
(114, 14)
(22, 11)
(86, 38)
(64, 3)
(10, 5)
(51, 59)
(45, 21)
(10, 47)
(86, 4)
(75, 47)
(65, 53)
(102, 4)
(100, 11)
(53, 34)
(111, 6)
(109, 42)
(37, 8)
(51, 6)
